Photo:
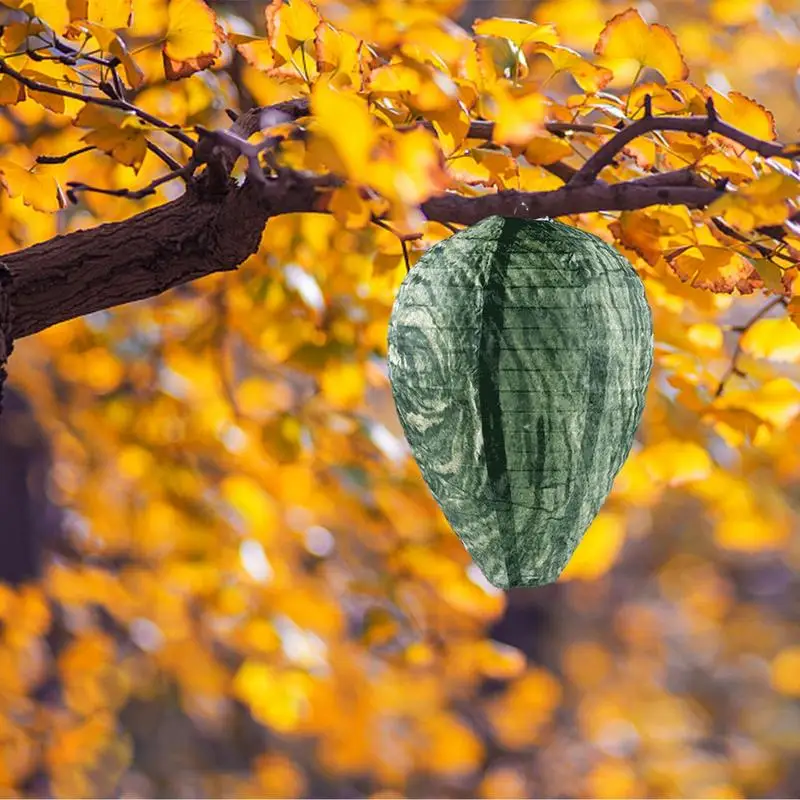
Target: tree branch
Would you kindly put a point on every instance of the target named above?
(696, 124)
(196, 235)
(737, 352)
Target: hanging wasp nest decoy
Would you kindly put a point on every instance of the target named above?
(519, 356)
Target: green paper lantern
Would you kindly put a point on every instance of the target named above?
(519, 356)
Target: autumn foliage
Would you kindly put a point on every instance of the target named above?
(248, 590)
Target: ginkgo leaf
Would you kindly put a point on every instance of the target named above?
(291, 26)
(761, 202)
(775, 339)
(120, 134)
(717, 269)
(598, 550)
(543, 150)
(50, 101)
(770, 273)
(353, 142)
(518, 118)
(410, 168)
(451, 125)
(339, 54)
(743, 113)
(38, 191)
(518, 31)
(109, 42)
(627, 37)
(11, 91)
(193, 38)
(349, 207)
(588, 76)
(483, 166)
(776, 402)
(107, 13)
(256, 49)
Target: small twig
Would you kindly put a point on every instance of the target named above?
(122, 105)
(131, 194)
(66, 157)
(165, 157)
(760, 248)
(741, 330)
(404, 238)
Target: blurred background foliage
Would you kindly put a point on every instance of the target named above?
(247, 589)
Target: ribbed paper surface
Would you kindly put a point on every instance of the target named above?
(519, 356)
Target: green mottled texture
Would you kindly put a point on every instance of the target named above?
(519, 356)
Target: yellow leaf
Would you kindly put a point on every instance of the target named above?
(750, 532)
(627, 37)
(351, 143)
(150, 18)
(675, 462)
(54, 13)
(598, 550)
(108, 13)
(775, 339)
(744, 113)
(705, 335)
(717, 269)
(588, 76)
(343, 385)
(776, 402)
(409, 168)
(761, 202)
(450, 747)
(193, 38)
(252, 504)
(734, 12)
(256, 49)
(517, 119)
(53, 102)
(518, 31)
(11, 91)
(613, 778)
(451, 125)
(770, 273)
(110, 43)
(543, 150)
(349, 207)
(277, 698)
(537, 179)
(579, 22)
(117, 133)
(785, 671)
(340, 54)
(482, 166)
(292, 27)
(38, 191)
